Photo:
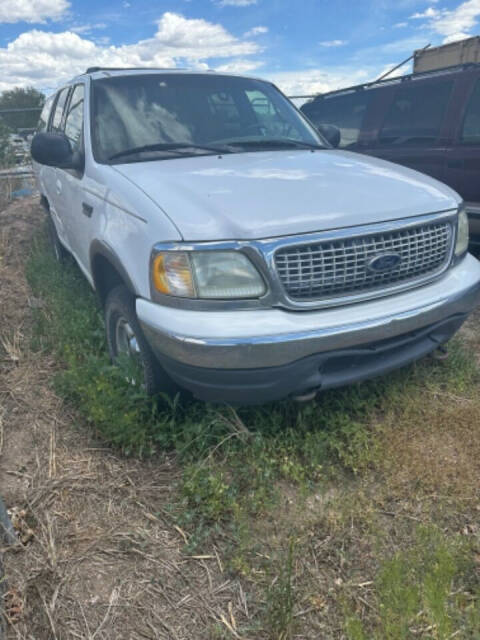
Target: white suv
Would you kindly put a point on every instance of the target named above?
(235, 252)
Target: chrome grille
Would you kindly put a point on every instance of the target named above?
(340, 267)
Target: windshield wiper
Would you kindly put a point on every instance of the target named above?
(273, 142)
(175, 147)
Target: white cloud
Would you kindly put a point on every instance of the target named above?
(454, 37)
(87, 28)
(239, 66)
(32, 10)
(256, 31)
(428, 13)
(333, 43)
(46, 59)
(452, 24)
(193, 39)
(400, 25)
(314, 81)
(236, 3)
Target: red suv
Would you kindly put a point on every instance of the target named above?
(426, 121)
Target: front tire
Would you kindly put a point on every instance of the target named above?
(125, 338)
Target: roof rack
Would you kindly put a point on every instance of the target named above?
(411, 77)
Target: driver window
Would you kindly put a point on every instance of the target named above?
(56, 126)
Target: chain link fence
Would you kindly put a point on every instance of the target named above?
(16, 178)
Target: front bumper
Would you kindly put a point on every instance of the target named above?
(218, 354)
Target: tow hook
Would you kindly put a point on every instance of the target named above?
(440, 353)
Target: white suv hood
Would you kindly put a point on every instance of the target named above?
(267, 194)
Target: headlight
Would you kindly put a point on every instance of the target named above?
(462, 233)
(206, 274)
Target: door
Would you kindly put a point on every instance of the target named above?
(80, 209)
(463, 163)
(53, 189)
(411, 131)
(41, 170)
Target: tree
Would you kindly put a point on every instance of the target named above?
(21, 98)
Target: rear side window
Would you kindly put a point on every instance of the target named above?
(416, 114)
(471, 124)
(45, 115)
(56, 125)
(74, 118)
(346, 112)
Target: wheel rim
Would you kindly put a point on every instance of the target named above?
(126, 340)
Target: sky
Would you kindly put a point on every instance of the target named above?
(304, 46)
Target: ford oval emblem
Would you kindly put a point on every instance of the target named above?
(384, 262)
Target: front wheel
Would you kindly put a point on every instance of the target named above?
(126, 341)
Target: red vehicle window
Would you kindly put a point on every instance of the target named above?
(416, 114)
(471, 124)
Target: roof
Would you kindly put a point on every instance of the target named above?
(411, 77)
(106, 72)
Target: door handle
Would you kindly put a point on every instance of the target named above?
(58, 186)
(87, 209)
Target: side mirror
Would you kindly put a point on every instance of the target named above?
(54, 150)
(331, 133)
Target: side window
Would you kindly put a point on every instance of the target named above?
(56, 125)
(346, 112)
(471, 124)
(416, 114)
(45, 115)
(74, 119)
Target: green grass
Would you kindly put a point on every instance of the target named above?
(237, 465)
(301, 437)
(422, 592)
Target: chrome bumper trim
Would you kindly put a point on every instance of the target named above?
(473, 209)
(273, 337)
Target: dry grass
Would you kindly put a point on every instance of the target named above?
(106, 560)
(434, 451)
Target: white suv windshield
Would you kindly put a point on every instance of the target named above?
(142, 117)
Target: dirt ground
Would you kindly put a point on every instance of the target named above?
(100, 559)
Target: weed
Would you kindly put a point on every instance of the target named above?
(281, 598)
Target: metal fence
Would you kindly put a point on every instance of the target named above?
(17, 182)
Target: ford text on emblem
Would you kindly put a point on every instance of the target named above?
(384, 262)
